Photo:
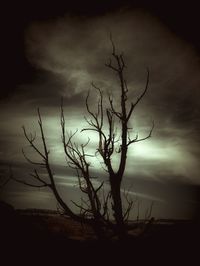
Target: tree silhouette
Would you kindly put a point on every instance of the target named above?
(103, 121)
(108, 142)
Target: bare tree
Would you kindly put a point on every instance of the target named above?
(40, 180)
(103, 121)
(92, 211)
(109, 142)
(77, 159)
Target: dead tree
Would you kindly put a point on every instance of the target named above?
(76, 157)
(109, 143)
(103, 121)
(92, 211)
(39, 181)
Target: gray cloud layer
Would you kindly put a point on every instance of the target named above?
(70, 52)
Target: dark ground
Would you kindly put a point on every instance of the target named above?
(49, 238)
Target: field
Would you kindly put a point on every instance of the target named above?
(45, 234)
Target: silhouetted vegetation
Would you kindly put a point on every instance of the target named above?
(102, 210)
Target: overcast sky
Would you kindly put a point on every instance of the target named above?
(65, 54)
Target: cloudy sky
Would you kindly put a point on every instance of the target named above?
(57, 51)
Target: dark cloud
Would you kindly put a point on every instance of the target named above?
(47, 90)
(78, 49)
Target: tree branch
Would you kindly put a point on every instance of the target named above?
(133, 105)
(142, 139)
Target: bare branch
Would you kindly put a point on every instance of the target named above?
(44, 184)
(81, 207)
(31, 140)
(149, 212)
(122, 61)
(142, 139)
(42, 134)
(31, 161)
(118, 114)
(37, 177)
(109, 65)
(29, 184)
(133, 105)
(105, 205)
(76, 157)
(112, 43)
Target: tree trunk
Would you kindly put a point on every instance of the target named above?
(117, 207)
